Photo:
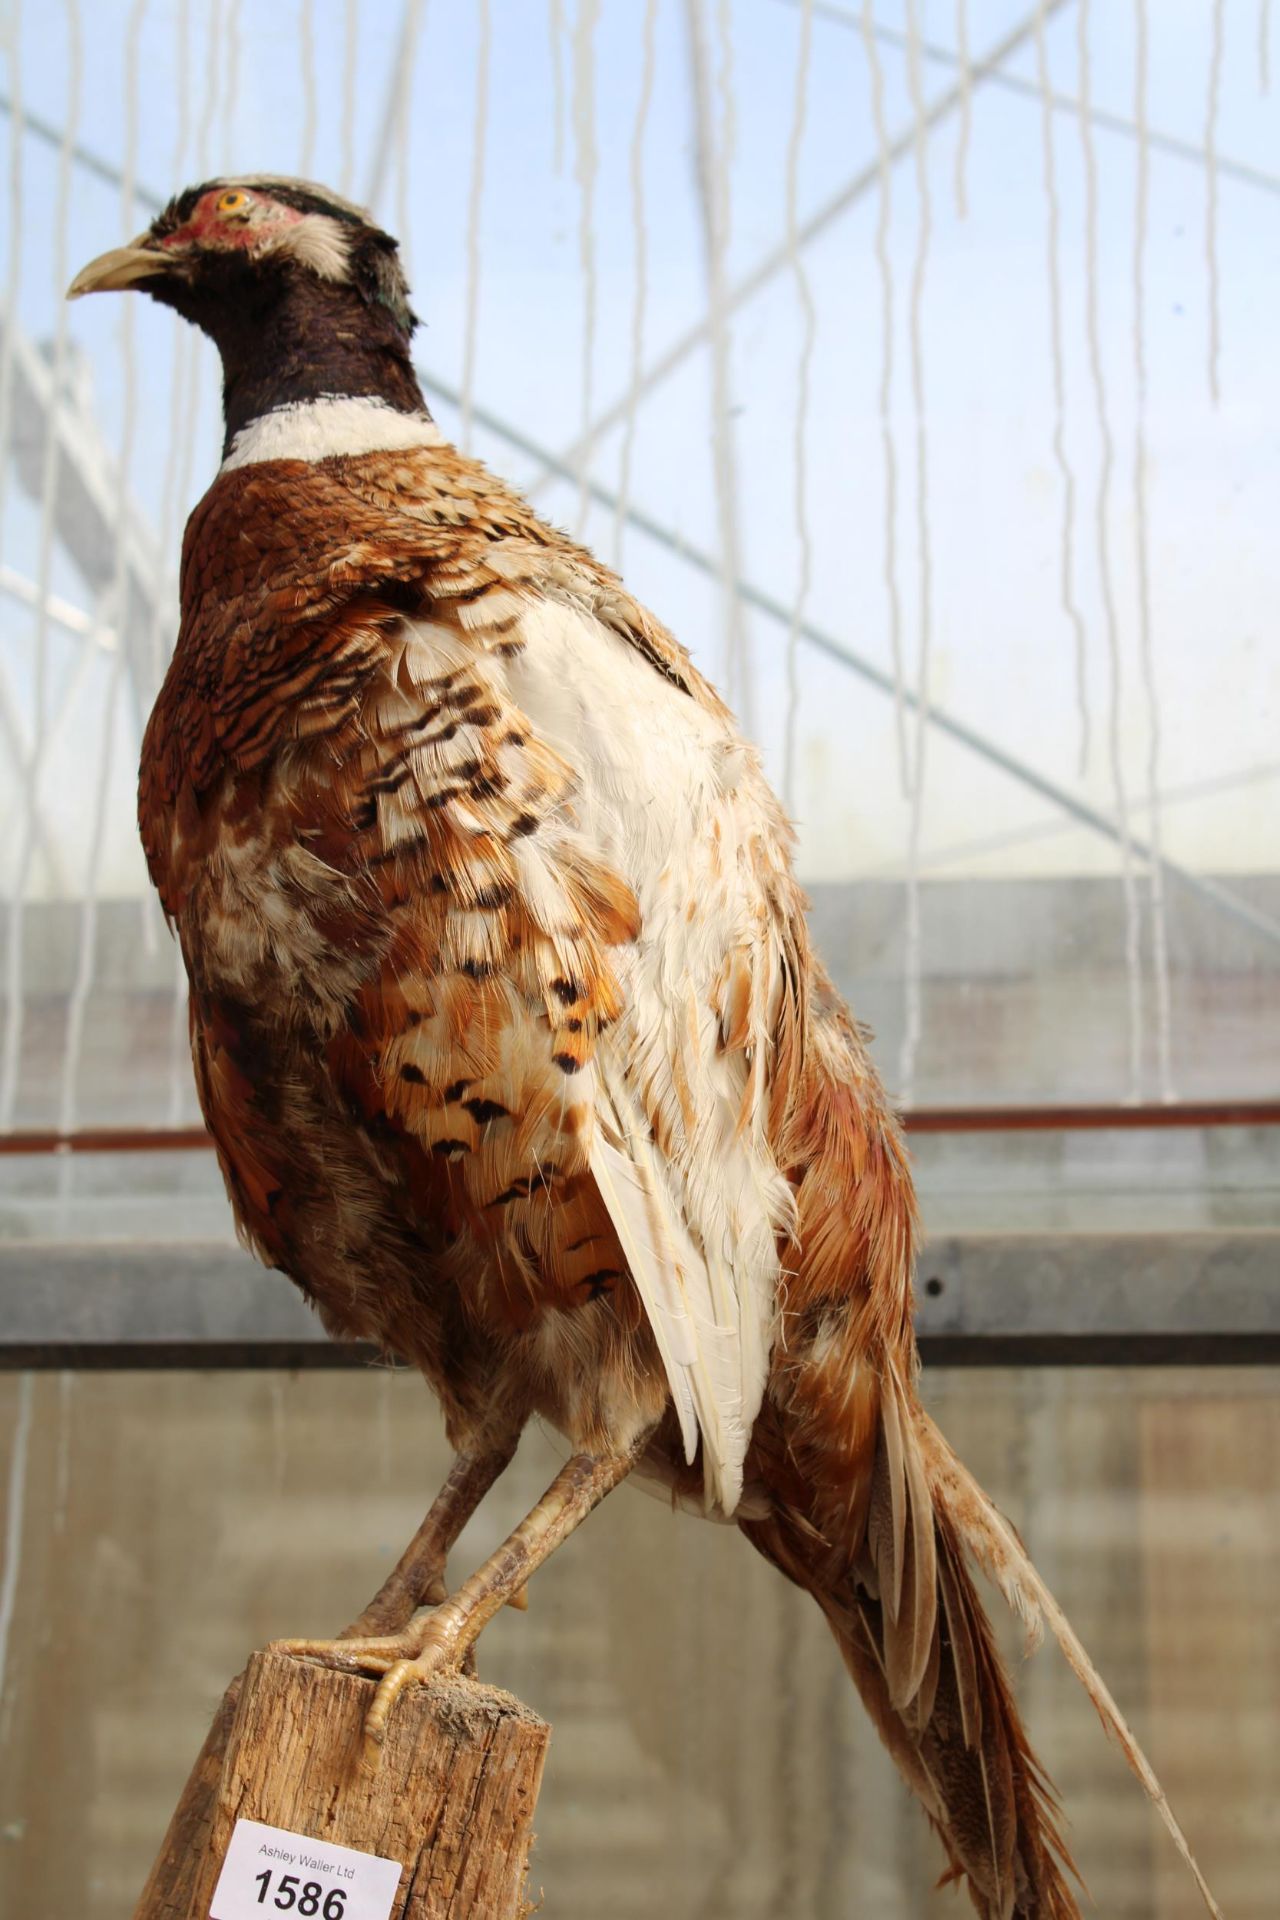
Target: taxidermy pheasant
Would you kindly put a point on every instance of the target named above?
(508, 1030)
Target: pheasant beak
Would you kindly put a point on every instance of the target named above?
(122, 267)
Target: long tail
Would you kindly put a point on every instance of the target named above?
(915, 1638)
(998, 1550)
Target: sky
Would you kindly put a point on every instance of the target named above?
(888, 401)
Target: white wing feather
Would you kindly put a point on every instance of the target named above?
(633, 1212)
(669, 796)
(697, 1315)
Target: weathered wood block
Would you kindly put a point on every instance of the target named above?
(453, 1799)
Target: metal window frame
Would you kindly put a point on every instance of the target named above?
(995, 1299)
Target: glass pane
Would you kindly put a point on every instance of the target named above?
(709, 1758)
(965, 491)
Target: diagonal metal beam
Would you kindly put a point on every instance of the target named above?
(83, 155)
(63, 613)
(559, 467)
(20, 758)
(87, 517)
(1036, 830)
(779, 257)
(1014, 83)
(91, 633)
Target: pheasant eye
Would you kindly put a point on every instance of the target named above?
(232, 202)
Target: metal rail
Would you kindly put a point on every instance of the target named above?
(985, 1299)
(988, 1119)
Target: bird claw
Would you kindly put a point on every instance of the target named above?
(371, 1654)
(438, 1651)
(429, 1646)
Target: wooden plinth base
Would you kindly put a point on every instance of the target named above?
(453, 1799)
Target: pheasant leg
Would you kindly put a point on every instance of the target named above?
(444, 1635)
(418, 1577)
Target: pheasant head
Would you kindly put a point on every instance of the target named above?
(303, 295)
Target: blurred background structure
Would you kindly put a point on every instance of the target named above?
(916, 361)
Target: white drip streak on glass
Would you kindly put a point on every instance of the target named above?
(307, 63)
(555, 32)
(585, 167)
(884, 265)
(15, 1509)
(965, 108)
(1211, 199)
(182, 62)
(212, 82)
(804, 296)
(13, 1034)
(13, 281)
(1066, 578)
(640, 272)
(91, 650)
(404, 138)
(914, 1012)
(1102, 504)
(474, 211)
(179, 1053)
(1159, 920)
(1264, 46)
(713, 154)
(86, 957)
(350, 94)
(184, 345)
(727, 143)
(737, 636)
(391, 124)
(232, 98)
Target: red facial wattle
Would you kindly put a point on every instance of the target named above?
(213, 225)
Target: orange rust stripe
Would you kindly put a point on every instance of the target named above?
(1047, 1119)
(1055, 1119)
(109, 1140)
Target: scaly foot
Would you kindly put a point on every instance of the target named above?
(434, 1641)
(354, 1653)
(445, 1640)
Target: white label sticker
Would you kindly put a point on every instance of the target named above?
(269, 1871)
